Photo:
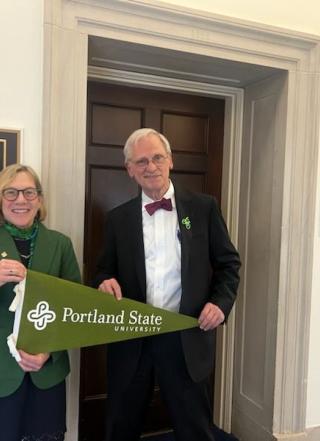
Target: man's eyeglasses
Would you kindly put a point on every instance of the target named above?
(11, 194)
(144, 162)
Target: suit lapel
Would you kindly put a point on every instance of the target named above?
(185, 211)
(135, 238)
(185, 215)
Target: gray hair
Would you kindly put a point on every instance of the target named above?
(143, 133)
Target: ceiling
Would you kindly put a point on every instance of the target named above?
(119, 55)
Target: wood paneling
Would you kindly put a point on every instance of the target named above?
(108, 123)
(190, 132)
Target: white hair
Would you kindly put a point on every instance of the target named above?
(143, 133)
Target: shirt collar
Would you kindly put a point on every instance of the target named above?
(168, 195)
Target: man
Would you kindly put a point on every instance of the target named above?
(176, 254)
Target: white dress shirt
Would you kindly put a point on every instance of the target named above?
(162, 250)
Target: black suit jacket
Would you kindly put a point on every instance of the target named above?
(209, 273)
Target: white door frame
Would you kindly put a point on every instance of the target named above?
(67, 26)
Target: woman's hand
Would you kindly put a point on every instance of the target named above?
(11, 271)
(32, 363)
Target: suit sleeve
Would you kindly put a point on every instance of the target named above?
(225, 263)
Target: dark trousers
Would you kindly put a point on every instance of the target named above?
(31, 413)
(188, 402)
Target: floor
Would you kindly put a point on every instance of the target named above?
(219, 434)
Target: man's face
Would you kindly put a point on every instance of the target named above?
(150, 166)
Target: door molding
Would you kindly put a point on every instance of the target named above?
(67, 27)
(229, 200)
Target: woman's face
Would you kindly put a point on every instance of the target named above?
(21, 212)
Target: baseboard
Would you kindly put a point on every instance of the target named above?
(312, 434)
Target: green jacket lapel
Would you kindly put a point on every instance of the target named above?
(44, 251)
(8, 249)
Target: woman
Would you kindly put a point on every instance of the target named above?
(32, 392)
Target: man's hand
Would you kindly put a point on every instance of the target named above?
(211, 316)
(32, 363)
(111, 286)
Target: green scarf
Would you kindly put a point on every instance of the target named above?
(24, 234)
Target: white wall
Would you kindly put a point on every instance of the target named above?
(299, 15)
(21, 43)
(313, 407)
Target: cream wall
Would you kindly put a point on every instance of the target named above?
(313, 403)
(299, 15)
(21, 40)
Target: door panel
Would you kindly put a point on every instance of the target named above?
(117, 117)
(260, 230)
(194, 127)
(190, 132)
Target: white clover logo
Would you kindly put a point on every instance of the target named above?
(41, 316)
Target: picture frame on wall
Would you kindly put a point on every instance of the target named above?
(10, 144)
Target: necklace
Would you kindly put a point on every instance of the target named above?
(25, 256)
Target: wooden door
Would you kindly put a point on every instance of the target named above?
(194, 126)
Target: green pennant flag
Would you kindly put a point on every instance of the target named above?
(54, 314)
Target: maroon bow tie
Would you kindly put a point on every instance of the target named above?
(166, 204)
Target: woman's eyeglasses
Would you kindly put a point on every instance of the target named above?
(11, 194)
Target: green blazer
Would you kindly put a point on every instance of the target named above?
(54, 255)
